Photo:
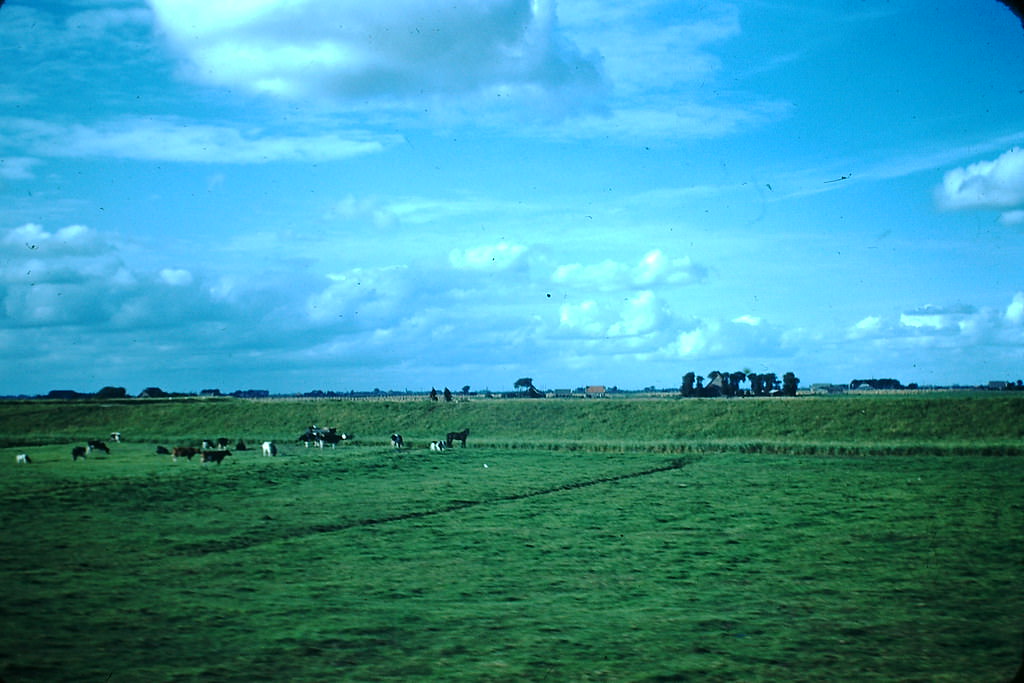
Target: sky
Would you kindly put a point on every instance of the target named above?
(299, 195)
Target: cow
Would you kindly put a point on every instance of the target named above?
(115, 437)
(223, 442)
(240, 446)
(457, 436)
(161, 450)
(78, 452)
(23, 459)
(214, 456)
(333, 438)
(438, 445)
(269, 448)
(397, 441)
(183, 452)
(318, 436)
(95, 444)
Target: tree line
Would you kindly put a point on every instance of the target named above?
(728, 384)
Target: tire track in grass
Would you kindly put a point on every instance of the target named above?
(249, 540)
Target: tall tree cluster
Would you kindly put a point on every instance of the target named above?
(729, 384)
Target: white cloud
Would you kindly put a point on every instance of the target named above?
(1015, 311)
(168, 139)
(176, 277)
(492, 257)
(960, 326)
(938, 318)
(17, 168)
(323, 49)
(653, 269)
(996, 184)
(1015, 217)
(181, 140)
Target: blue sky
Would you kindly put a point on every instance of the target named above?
(314, 194)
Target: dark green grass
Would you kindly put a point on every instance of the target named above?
(363, 564)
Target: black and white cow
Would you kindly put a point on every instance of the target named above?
(115, 437)
(269, 449)
(438, 445)
(162, 450)
(397, 441)
(97, 445)
(23, 459)
(78, 452)
(214, 456)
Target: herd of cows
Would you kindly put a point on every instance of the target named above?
(215, 450)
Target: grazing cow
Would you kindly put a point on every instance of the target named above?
(223, 442)
(318, 436)
(160, 450)
(333, 438)
(78, 452)
(115, 437)
(397, 441)
(269, 448)
(183, 452)
(22, 458)
(438, 445)
(214, 456)
(97, 445)
(457, 436)
(240, 446)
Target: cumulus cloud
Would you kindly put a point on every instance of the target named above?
(77, 276)
(396, 50)
(995, 184)
(955, 326)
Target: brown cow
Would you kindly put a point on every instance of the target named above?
(183, 452)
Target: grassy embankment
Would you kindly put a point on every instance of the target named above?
(906, 423)
(605, 540)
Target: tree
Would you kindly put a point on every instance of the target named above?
(111, 392)
(465, 390)
(688, 383)
(790, 382)
(524, 383)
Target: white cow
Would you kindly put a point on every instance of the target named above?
(22, 458)
(269, 448)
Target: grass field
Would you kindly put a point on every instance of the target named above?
(854, 539)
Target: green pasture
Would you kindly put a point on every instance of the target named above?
(570, 541)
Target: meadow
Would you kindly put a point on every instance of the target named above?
(841, 539)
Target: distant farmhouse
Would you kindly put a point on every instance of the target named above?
(595, 391)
